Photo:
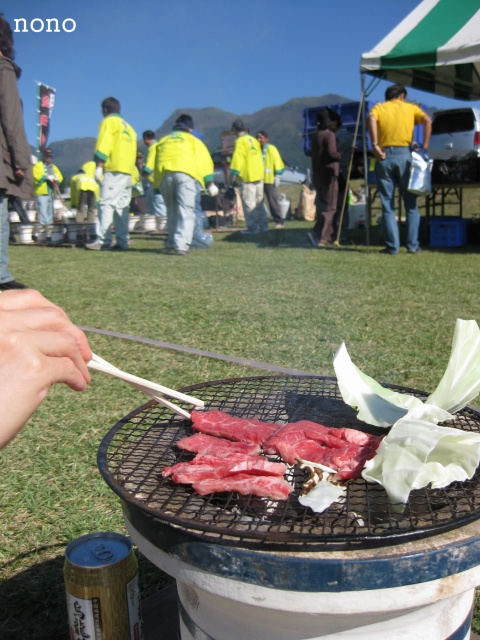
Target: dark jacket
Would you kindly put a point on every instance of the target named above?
(325, 157)
(14, 148)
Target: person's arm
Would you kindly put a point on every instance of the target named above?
(333, 154)
(39, 347)
(11, 116)
(372, 127)
(427, 131)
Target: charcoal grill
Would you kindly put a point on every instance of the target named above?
(250, 567)
(134, 452)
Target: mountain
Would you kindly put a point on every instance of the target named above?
(283, 123)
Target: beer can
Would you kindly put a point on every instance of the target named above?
(101, 581)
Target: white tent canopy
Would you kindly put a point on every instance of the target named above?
(436, 48)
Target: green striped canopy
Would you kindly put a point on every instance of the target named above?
(436, 48)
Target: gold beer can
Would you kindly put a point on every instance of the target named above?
(101, 581)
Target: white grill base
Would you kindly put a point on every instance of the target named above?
(216, 608)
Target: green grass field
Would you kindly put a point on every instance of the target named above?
(269, 299)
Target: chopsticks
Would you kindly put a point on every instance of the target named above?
(154, 390)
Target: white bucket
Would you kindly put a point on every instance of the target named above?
(133, 222)
(350, 606)
(161, 223)
(283, 207)
(25, 233)
(149, 223)
(32, 215)
(14, 217)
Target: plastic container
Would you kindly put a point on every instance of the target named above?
(283, 206)
(133, 223)
(448, 232)
(25, 233)
(149, 223)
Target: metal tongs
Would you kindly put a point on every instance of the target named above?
(155, 391)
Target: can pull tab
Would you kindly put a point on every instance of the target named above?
(103, 553)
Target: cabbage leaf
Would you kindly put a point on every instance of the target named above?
(417, 453)
(376, 405)
(461, 381)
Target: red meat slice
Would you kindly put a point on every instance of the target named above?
(344, 450)
(208, 467)
(267, 487)
(211, 445)
(218, 423)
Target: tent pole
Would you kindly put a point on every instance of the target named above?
(365, 162)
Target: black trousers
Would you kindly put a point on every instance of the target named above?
(270, 191)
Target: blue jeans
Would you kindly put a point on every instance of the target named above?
(155, 203)
(179, 191)
(393, 171)
(45, 209)
(200, 239)
(5, 275)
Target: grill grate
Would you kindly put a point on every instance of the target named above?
(134, 452)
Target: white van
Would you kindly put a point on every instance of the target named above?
(455, 133)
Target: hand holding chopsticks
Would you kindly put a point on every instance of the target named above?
(155, 391)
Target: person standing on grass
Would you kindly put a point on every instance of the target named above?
(391, 126)
(274, 167)
(155, 202)
(182, 163)
(15, 165)
(247, 166)
(47, 177)
(115, 155)
(325, 172)
(345, 147)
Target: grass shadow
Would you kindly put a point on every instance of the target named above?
(33, 601)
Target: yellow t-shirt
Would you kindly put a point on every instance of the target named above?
(116, 144)
(182, 152)
(395, 122)
(247, 161)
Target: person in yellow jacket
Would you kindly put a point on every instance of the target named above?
(182, 162)
(274, 167)
(46, 177)
(155, 202)
(85, 193)
(247, 167)
(115, 155)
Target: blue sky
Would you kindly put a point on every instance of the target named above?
(159, 55)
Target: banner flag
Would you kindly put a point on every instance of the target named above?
(46, 102)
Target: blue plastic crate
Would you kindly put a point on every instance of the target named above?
(448, 232)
